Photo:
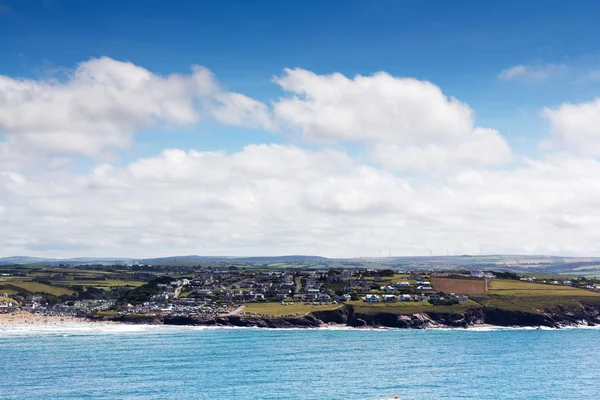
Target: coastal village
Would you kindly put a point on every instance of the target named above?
(250, 293)
(217, 292)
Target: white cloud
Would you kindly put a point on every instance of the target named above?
(378, 107)
(281, 199)
(412, 124)
(575, 127)
(104, 102)
(240, 110)
(485, 147)
(273, 199)
(534, 73)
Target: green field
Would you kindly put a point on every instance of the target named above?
(8, 299)
(96, 283)
(534, 303)
(503, 287)
(531, 297)
(277, 309)
(36, 287)
(8, 290)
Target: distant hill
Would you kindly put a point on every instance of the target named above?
(190, 259)
(577, 266)
(23, 260)
(193, 259)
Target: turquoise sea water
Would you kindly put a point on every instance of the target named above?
(117, 362)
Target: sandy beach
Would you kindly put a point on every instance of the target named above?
(27, 318)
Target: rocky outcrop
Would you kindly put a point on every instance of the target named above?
(300, 322)
(502, 317)
(553, 317)
(556, 317)
(346, 315)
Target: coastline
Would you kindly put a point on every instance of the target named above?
(21, 319)
(28, 318)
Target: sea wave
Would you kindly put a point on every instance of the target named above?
(99, 328)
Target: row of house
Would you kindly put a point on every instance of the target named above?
(375, 298)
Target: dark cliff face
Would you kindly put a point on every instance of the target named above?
(300, 322)
(495, 316)
(568, 316)
(553, 317)
(348, 316)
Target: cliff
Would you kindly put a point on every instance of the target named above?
(556, 317)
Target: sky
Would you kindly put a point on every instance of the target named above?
(333, 128)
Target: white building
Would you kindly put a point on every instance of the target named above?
(372, 298)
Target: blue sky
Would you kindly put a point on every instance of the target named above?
(506, 62)
(461, 46)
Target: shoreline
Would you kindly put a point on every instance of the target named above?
(27, 319)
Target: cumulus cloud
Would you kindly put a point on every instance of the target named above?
(275, 199)
(485, 147)
(378, 107)
(282, 199)
(104, 102)
(240, 110)
(412, 123)
(534, 73)
(575, 127)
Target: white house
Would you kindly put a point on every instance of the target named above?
(389, 297)
(481, 274)
(372, 298)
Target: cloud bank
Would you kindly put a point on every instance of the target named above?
(431, 179)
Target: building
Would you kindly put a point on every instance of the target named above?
(372, 298)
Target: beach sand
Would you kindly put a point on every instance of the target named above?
(27, 318)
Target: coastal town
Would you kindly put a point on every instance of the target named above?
(223, 291)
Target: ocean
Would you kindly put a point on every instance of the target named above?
(160, 362)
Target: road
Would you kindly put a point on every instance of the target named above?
(233, 312)
(177, 292)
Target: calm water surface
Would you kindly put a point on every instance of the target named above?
(186, 363)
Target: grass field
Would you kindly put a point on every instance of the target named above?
(503, 287)
(409, 307)
(8, 299)
(459, 286)
(97, 283)
(7, 290)
(36, 287)
(277, 309)
(534, 303)
(530, 297)
(79, 271)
